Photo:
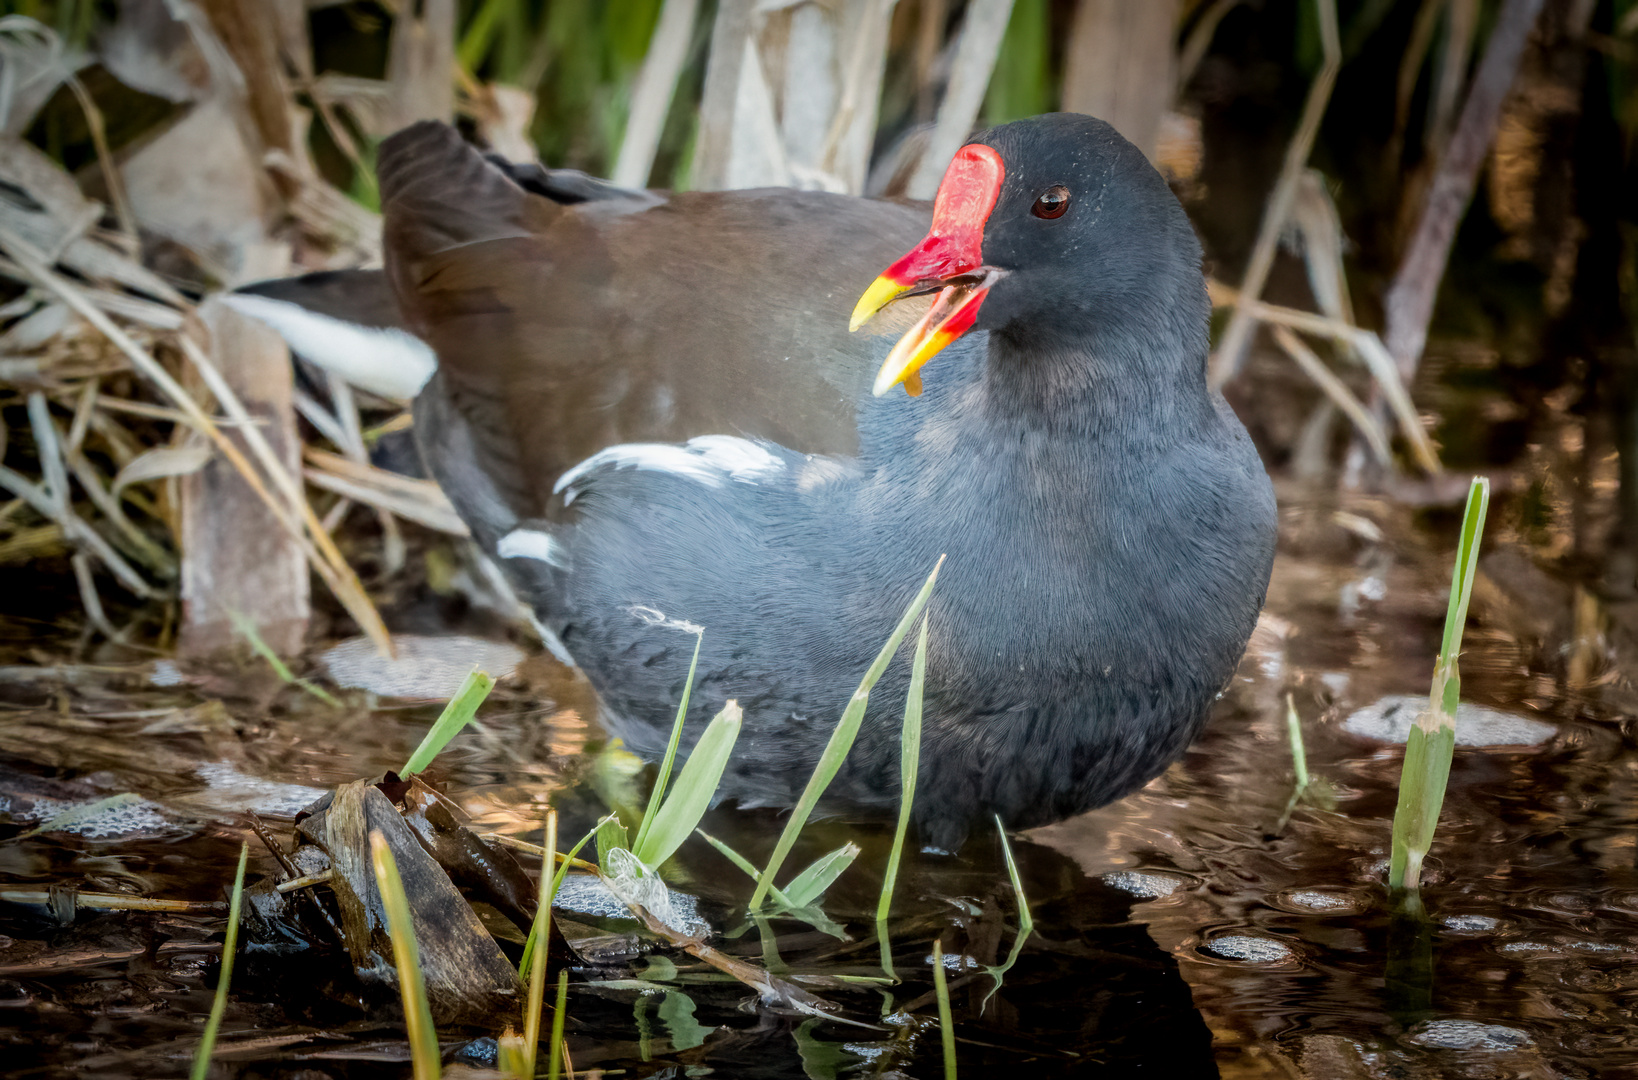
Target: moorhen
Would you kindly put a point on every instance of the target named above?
(650, 410)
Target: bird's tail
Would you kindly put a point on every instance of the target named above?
(346, 322)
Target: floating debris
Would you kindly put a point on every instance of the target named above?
(1469, 1035)
(1390, 720)
(1250, 948)
(426, 668)
(1138, 883)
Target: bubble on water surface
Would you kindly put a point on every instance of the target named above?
(585, 894)
(1250, 948)
(1471, 922)
(1469, 1035)
(954, 962)
(267, 797)
(1317, 900)
(426, 668)
(1390, 720)
(119, 816)
(1137, 883)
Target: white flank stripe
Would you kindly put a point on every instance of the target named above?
(385, 361)
(531, 544)
(708, 459)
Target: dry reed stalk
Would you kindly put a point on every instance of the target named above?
(320, 550)
(1409, 303)
(651, 95)
(1230, 354)
(985, 24)
(1365, 345)
(1337, 390)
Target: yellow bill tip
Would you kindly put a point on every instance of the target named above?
(883, 291)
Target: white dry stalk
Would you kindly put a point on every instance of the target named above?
(981, 33)
(1225, 362)
(1335, 389)
(1368, 347)
(652, 93)
(320, 550)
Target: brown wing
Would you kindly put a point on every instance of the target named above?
(564, 329)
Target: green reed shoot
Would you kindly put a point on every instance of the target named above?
(207, 1041)
(946, 1027)
(527, 963)
(1432, 741)
(248, 631)
(1026, 921)
(841, 741)
(554, 1059)
(423, 1036)
(539, 935)
(664, 776)
(1299, 751)
(456, 715)
(909, 760)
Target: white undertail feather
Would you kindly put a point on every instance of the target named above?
(383, 360)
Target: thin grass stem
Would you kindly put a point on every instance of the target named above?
(664, 775)
(207, 1041)
(909, 761)
(841, 741)
(540, 934)
(946, 1027)
(554, 1059)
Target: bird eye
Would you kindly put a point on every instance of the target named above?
(1052, 203)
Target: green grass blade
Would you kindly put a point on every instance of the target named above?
(744, 864)
(1299, 752)
(696, 786)
(664, 776)
(554, 1060)
(406, 954)
(539, 934)
(525, 964)
(460, 710)
(248, 631)
(207, 1041)
(946, 1027)
(810, 884)
(885, 943)
(841, 741)
(1026, 921)
(909, 762)
(1432, 742)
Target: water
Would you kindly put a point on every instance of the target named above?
(1182, 932)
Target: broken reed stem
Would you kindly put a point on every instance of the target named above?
(1432, 742)
(1226, 361)
(1408, 306)
(334, 568)
(324, 557)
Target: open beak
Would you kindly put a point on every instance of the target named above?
(950, 260)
